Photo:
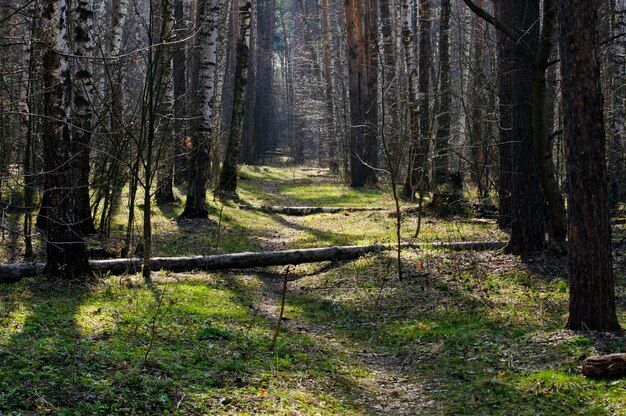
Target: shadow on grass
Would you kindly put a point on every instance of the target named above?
(477, 359)
(195, 348)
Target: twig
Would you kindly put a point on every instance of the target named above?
(282, 309)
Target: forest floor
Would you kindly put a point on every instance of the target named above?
(463, 333)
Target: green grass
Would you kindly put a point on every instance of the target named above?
(472, 333)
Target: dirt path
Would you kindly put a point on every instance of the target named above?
(387, 386)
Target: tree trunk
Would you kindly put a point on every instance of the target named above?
(11, 273)
(408, 40)
(541, 143)
(361, 30)
(617, 137)
(263, 97)
(164, 135)
(444, 104)
(592, 291)
(417, 178)
(82, 110)
(179, 64)
(329, 115)
(65, 248)
(204, 83)
(227, 185)
(300, 211)
(519, 171)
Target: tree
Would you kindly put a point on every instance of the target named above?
(66, 251)
(227, 185)
(82, 109)
(261, 135)
(163, 30)
(617, 137)
(417, 179)
(537, 47)
(361, 32)
(521, 199)
(444, 103)
(592, 292)
(203, 81)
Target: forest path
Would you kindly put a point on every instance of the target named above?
(386, 384)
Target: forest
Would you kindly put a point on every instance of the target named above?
(312, 207)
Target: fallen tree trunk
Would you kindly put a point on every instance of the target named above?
(301, 211)
(613, 365)
(11, 273)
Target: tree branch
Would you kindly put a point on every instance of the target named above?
(515, 36)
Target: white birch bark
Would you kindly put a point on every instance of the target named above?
(208, 13)
(66, 252)
(82, 108)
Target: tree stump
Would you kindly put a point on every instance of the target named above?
(613, 365)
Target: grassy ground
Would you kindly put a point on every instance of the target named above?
(463, 333)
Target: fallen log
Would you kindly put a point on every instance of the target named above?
(302, 211)
(11, 273)
(613, 365)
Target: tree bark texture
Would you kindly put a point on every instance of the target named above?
(263, 97)
(82, 109)
(519, 181)
(204, 85)
(617, 137)
(592, 292)
(444, 103)
(361, 31)
(65, 249)
(228, 176)
(417, 177)
(541, 143)
(162, 35)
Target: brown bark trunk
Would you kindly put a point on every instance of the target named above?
(261, 135)
(363, 73)
(541, 143)
(519, 171)
(592, 288)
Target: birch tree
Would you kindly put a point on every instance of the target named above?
(82, 108)
(227, 185)
(203, 81)
(65, 248)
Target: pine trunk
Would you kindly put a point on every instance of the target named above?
(520, 187)
(592, 291)
(361, 29)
